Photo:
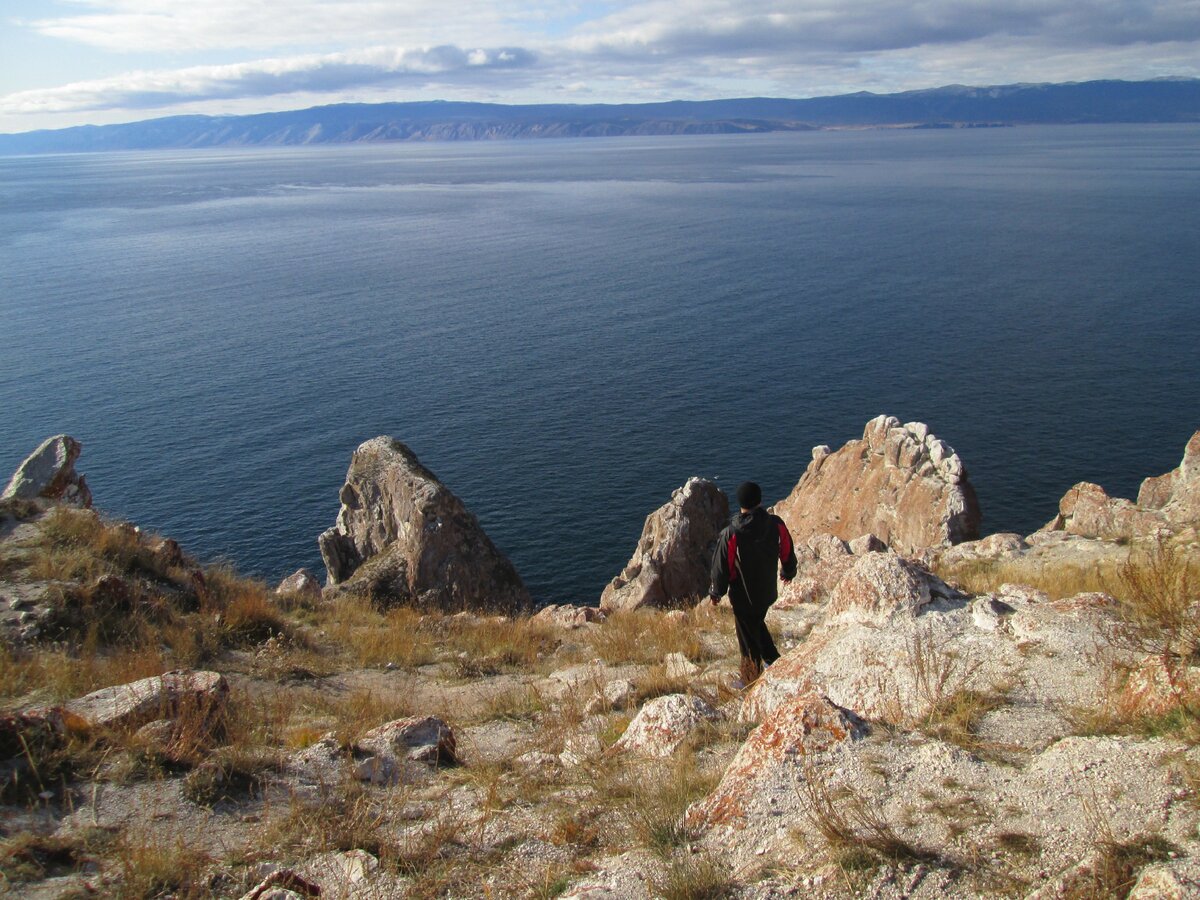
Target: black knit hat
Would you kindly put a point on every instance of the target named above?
(749, 495)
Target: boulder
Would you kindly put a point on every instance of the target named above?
(566, 616)
(663, 724)
(203, 695)
(879, 588)
(1167, 504)
(48, 473)
(423, 739)
(674, 555)
(402, 537)
(806, 725)
(301, 584)
(899, 483)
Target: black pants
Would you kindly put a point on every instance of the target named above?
(754, 640)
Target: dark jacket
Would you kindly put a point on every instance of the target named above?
(746, 555)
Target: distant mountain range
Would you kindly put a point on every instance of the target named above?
(1161, 100)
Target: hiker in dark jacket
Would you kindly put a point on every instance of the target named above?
(744, 562)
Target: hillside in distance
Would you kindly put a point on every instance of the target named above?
(1159, 100)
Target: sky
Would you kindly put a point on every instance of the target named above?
(73, 62)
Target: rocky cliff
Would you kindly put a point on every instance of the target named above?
(898, 482)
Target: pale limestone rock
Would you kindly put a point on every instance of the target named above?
(402, 536)
(674, 554)
(567, 616)
(300, 584)
(805, 725)
(423, 739)
(1168, 881)
(879, 588)
(911, 492)
(191, 693)
(663, 724)
(679, 666)
(989, 614)
(48, 473)
(616, 694)
(821, 561)
(579, 748)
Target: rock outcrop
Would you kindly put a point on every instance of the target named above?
(1166, 504)
(403, 537)
(671, 563)
(48, 473)
(899, 483)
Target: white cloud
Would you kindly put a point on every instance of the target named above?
(544, 50)
(313, 73)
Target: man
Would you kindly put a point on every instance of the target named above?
(744, 564)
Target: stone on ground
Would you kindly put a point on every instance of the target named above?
(48, 473)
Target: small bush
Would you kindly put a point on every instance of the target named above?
(695, 878)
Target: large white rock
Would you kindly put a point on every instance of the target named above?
(48, 473)
(167, 696)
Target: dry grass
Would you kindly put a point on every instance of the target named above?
(27, 857)
(371, 638)
(650, 798)
(1058, 581)
(646, 637)
(855, 835)
(697, 877)
(151, 864)
(1158, 609)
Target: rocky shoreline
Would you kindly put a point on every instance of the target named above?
(953, 715)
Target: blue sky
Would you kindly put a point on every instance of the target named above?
(98, 61)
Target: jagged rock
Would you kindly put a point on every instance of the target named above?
(566, 616)
(878, 588)
(201, 696)
(899, 482)
(673, 557)
(423, 739)
(805, 725)
(48, 473)
(1003, 545)
(402, 536)
(821, 561)
(300, 584)
(663, 724)
(1166, 504)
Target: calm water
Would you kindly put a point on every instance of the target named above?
(564, 331)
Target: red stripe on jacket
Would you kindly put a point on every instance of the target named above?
(785, 543)
(731, 556)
